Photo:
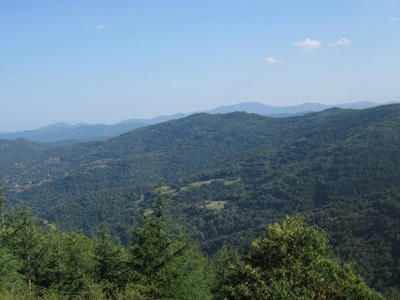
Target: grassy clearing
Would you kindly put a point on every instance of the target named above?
(229, 182)
(197, 184)
(215, 205)
(200, 183)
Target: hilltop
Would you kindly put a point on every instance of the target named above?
(64, 134)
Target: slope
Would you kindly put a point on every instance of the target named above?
(341, 169)
(231, 175)
(88, 183)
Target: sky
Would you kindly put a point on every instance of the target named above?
(105, 61)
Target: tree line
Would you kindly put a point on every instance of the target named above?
(38, 260)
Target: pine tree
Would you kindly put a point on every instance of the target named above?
(10, 278)
(77, 264)
(166, 265)
(25, 243)
(109, 262)
(2, 210)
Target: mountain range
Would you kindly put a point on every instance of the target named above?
(63, 133)
(227, 176)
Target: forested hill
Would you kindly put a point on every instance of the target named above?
(88, 183)
(342, 172)
(64, 134)
(231, 175)
(14, 152)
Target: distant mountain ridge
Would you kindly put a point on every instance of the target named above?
(63, 133)
(267, 110)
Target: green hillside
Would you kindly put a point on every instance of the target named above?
(231, 175)
(343, 174)
(85, 184)
(40, 261)
(16, 151)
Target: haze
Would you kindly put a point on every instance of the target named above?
(107, 61)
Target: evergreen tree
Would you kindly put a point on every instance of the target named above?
(26, 243)
(10, 278)
(109, 262)
(222, 262)
(2, 210)
(77, 264)
(50, 276)
(165, 265)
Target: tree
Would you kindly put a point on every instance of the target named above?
(2, 200)
(221, 262)
(10, 279)
(166, 265)
(25, 243)
(9, 264)
(109, 262)
(77, 264)
(294, 262)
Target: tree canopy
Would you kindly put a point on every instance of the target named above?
(293, 261)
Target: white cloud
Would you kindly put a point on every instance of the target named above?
(394, 19)
(101, 27)
(272, 60)
(96, 27)
(308, 44)
(341, 42)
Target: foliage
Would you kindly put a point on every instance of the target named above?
(166, 265)
(342, 164)
(366, 230)
(110, 260)
(38, 260)
(293, 262)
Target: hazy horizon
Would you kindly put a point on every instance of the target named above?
(105, 62)
(188, 113)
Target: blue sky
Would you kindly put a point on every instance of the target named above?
(106, 61)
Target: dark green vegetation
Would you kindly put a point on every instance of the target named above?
(229, 176)
(38, 261)
(293, 262)
(64, 134)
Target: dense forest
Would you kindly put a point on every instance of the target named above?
(293, 261)
(227, 178)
